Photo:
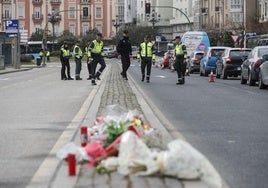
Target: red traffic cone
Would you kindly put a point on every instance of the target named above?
(211, 77)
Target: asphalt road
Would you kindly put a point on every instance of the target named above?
(36, 107)
(224, 120)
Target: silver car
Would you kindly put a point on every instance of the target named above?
(251, 66)
(263, 75)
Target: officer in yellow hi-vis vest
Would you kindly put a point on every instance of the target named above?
(65, 56)
(97, 55)
(147, 55)
(78, 55)
(180, 56)
(89, 59)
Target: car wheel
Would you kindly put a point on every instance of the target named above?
(242, 79)
(200, 73)
(217, 74)
(261, 85)
(250, 81)
(224, 75)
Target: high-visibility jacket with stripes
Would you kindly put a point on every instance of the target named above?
(77, 52)
(97, 47)
(180, 51)
(146, 50)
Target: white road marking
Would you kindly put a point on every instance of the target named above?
(160, 76)
(4, 79)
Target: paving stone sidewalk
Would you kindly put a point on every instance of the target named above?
(118, 91)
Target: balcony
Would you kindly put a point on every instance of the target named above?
(37, 2)
(6, 1)
(55, 2)
(85, 18)
(37, 19)
(6, 16)
(85, 2)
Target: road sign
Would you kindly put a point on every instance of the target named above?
(12, 26)
(234, 37)
(23, 36)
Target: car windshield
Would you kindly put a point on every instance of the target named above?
(199, 55)
(217, 52)
(262, 51)
(239, 53)
(134, 48)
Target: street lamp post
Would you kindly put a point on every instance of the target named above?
(53, 19)
(117, 23)
(154, 17)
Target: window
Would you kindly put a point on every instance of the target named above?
(99, 27)
(37, 28)
(21, 11)
(72, 28)
(71, 12)
(98, 12)
(7, 14)
(85, 28)
(37, 12)
(85, 12)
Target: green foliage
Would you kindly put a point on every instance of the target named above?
(68, 37)
(55, 53)
(223, 39)
(90, 36)
(37, 36)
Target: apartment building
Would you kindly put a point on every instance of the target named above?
(77, 16)
(236, 16)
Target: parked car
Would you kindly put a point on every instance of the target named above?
(194, 61)
(229, 64)
(263, 75)
(134, 51)
(208, 62)
(107, 50)
(250, 68)
(112, 54)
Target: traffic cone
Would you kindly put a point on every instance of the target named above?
(211, 76)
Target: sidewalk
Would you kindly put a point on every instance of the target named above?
(112, 89)
(115, 90)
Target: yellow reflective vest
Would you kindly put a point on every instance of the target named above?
(97, 47)
(88, 51)
(180, 50)
(146, 50)
(65, 53)
(77, 52)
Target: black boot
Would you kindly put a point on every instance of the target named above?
(78, 78)
(142, 79)
(147, 79)
(97, 75)
(89, 77)
(93, 82)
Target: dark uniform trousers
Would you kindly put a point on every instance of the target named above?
(78, 67)
(180, 67)
(146, 62)
(125, 59)
(65, 64)
(97, 58)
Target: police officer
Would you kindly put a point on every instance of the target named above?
(124, 51)
(180, 56)
(88, 54)
(147, 56)
(64, 57)
(78, 55)
(97, 54)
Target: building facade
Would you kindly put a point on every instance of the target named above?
(76, 16)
